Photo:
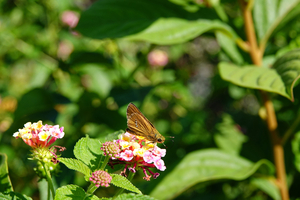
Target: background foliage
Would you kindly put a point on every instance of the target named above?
(53, 73)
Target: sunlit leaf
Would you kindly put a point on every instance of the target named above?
(268, 14)
(5, 183)
(267, 185)
(88, 151)
(122, 182)
(73, 192)
(132, 196)
(76, 165)
(280, 79)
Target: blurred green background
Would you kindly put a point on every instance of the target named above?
(50, 72)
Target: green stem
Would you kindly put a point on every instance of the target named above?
(91, 189)
(291, 130)
(130, 176)
(104, 162)
(49, 180)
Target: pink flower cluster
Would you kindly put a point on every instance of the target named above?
(101, 178)
(138, 153)
(38, 135)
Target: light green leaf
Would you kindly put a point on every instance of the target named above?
(122, 182)
(73, 192)
(229, 137)
(229, 46)
(280, 79)
(207, 165)
(268, 186)
(296, 150)
(5, 183)
(268, 14)
(88, 151)
(167, 31)
(132, 196)
(76, 165)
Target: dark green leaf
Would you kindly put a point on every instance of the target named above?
(122, 182)
(207, 165)
(73, 192)
(5, 183)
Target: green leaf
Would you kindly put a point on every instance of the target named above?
(207, 165)
(288, 67)
(122, 182)
(119, 18)
(5, 183)
(280, 79)
(111, 137)
(167, 31)
(268, 186)
(156, 21)
(296, 150)
(73, 192)
(133, 196)
(88, 151)
(229, 137)
(229, 46)
(14, 196)
(269, 14)
(76, 165)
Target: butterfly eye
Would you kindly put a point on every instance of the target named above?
(158, 140)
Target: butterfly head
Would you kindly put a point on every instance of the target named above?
(160, 138)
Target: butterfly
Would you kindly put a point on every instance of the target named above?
(139, 125)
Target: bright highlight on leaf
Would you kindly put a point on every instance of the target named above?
(280, 79)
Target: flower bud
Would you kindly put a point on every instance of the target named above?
(101, 178)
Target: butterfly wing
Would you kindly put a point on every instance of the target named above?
(139, 125)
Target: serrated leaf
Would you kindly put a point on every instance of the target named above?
(207, 165)
(267, 185)
(88, 151)
(228, 136)
(132, 196)
(280, 79)
(122, 182)
(14, 196)
(268, 14)
(5, 183)
(73, 192)
(76, 165)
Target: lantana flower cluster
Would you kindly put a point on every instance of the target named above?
(38, 135)
(136, 153)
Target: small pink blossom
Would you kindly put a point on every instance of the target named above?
(160, 164)
(159, 152)
(70, 18)
(148, 157)
(158, 58)
(127, 155)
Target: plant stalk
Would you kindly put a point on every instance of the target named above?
(49, 180)
(256, 54)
